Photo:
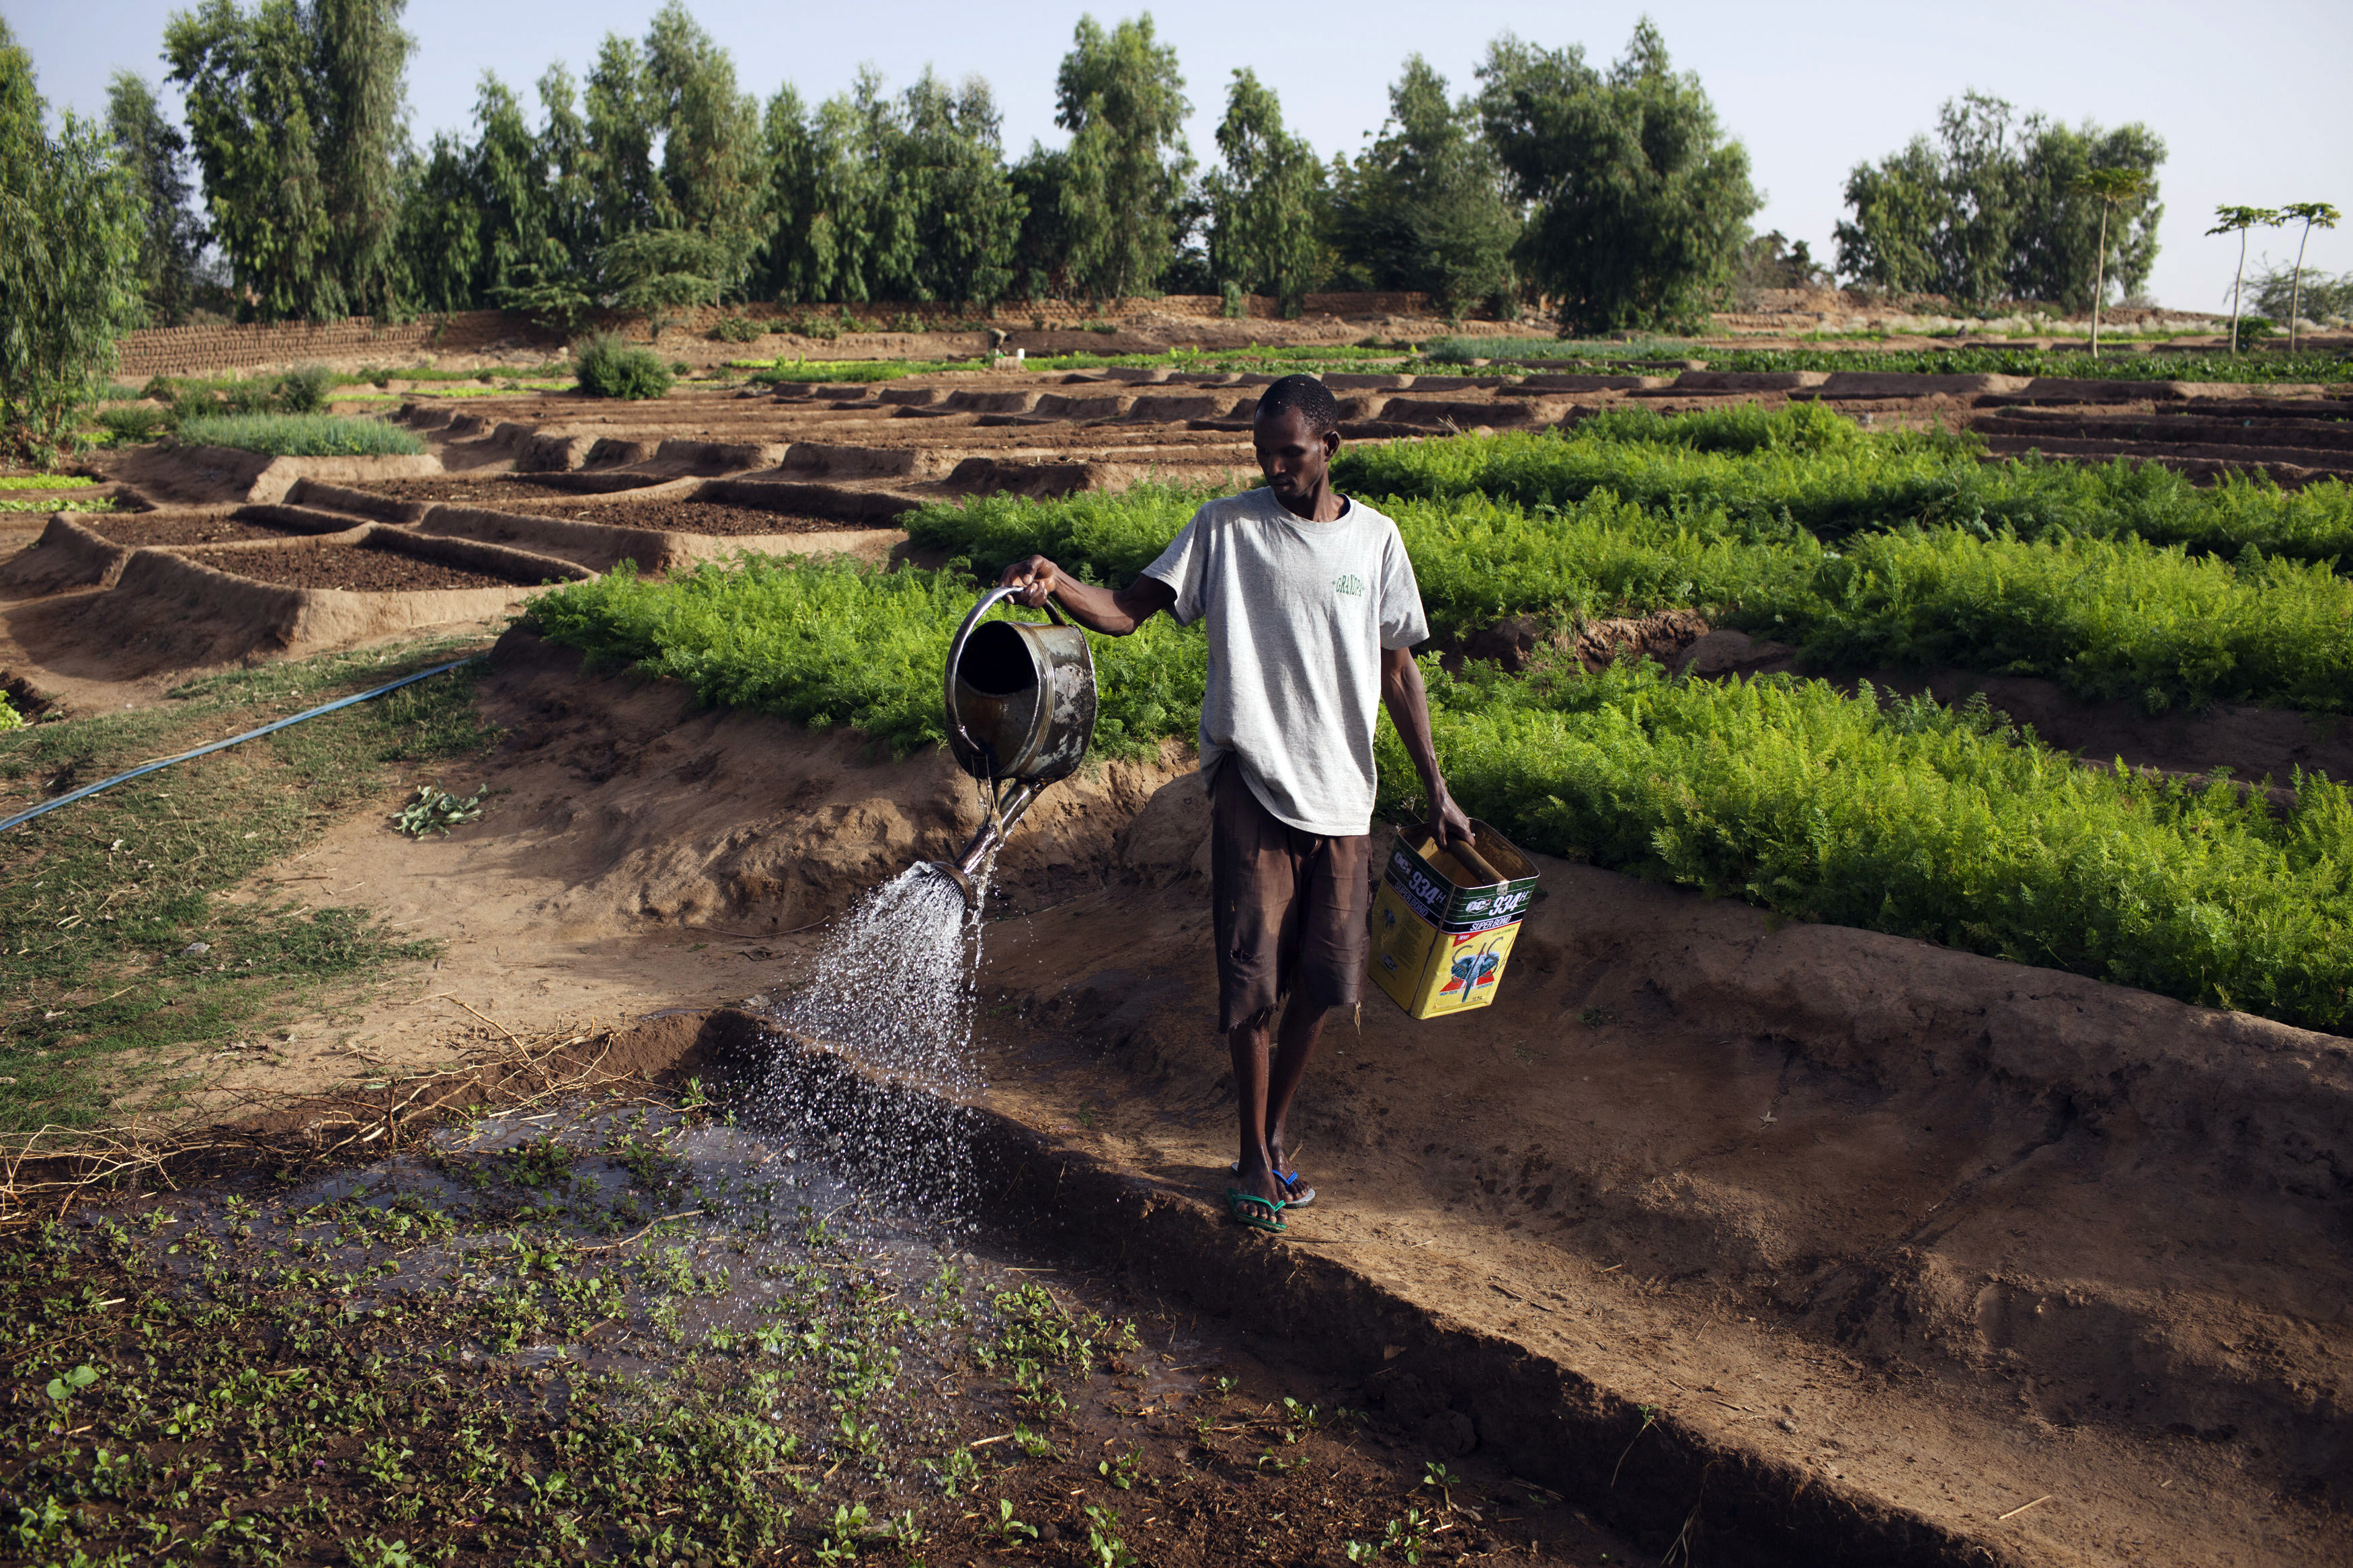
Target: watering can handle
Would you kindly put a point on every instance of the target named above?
(989, 602)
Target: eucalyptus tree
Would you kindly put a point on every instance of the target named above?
(173, 235)
(296, 114)
(1265, 200)
(2238, 220)
(1989, 209)
(1423, 208)
(949, 209)
(69, 273)
(1113, 197)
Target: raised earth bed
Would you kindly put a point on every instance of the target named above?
(363, 568)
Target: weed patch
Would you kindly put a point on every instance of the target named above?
(301, 435)
(123, 952)
(494, 1346)
(608, 367)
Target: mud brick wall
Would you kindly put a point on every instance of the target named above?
(1054, 313)
(189, 351)
(184, 350)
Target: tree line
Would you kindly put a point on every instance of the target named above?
(1610, 194)
(1603, 196)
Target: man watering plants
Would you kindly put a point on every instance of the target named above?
(1313, 612)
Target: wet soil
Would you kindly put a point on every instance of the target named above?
(493, 1337)
(168, 530)
(354, 568)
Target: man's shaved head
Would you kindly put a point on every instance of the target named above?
(1309, 396)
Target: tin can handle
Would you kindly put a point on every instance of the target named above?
(1468, 855)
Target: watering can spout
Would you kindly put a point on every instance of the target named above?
(965, 871)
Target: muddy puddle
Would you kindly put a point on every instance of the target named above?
(658, 1329)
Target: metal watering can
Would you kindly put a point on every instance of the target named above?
(1020, 699)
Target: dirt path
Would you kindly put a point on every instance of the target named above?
(1939, 1236)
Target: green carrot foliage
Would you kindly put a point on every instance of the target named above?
(1912, 819)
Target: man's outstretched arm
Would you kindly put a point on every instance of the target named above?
(1114, 612)
(1408, 706)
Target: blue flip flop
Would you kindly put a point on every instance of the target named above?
(1298, 1194)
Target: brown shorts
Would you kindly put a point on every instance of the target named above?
(1293, 909)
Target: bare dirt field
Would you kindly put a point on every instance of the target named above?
(1781, 1243)
(353, 568)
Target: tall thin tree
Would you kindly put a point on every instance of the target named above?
(2312, 215)
(2239, 220)
(2109, 187)
(157, 156)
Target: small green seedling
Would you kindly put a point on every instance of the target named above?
(63, 1388)
(1122, 1469)
(437, 811)
(1407, 1537)
(1105, 1547)
(1009, 1528)
(849, 1524)
(1650, 1419)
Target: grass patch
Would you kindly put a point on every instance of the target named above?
(508, 390)
(831, 642)
(609, 367)
(61, 504)
(1912, 819)
(99, 899)
(46, 481)
(770, 372)
(301, 435)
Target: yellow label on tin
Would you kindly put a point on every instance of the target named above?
(1427, 971)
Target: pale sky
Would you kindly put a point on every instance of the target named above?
(2241, 93)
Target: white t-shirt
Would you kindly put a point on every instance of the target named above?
(1298, 614)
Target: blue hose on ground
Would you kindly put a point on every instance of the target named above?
(145, 768)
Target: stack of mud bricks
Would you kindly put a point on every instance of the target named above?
(184, 350)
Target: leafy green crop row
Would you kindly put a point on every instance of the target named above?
(1910, 819)
(1825, 474)
(1915, 820)
(2104, 620)
(829, 643)
(2262, 367)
